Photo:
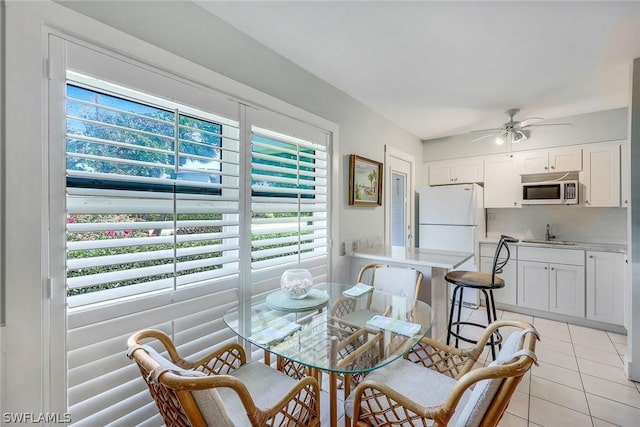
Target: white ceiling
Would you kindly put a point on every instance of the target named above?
(444, 68)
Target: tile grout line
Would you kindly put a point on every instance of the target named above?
(584, 392)
(581, 382)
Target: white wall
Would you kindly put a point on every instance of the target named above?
(186, 30)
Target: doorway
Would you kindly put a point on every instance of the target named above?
(399, 190)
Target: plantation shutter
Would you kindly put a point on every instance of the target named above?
(157, 211)
(152, 237)
(289, 209)
(152, 197)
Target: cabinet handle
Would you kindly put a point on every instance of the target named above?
(451, 180)
(553, 167)
(455, 179)
(546, 168)
(552, 268)
(590, 256)
(545, 268)
(626, 201)
(586, 202)
(515, 203)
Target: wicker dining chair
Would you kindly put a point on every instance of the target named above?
(221, 389)
(402, 281)
(432, 385)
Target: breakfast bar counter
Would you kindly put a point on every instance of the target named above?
(433, 264)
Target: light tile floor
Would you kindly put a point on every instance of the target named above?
(580, 380)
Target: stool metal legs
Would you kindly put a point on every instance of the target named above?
(496, 337)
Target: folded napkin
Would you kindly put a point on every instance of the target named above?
(394, 325)
(357, 290)
(275, 331)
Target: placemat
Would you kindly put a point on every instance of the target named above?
(278, 300)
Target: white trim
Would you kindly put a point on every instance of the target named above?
(390, 152)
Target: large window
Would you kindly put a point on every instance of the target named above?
(149, 204)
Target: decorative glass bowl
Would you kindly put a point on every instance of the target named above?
(296, 283)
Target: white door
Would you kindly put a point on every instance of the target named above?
(399, 195)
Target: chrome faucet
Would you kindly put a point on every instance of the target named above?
(547, 235)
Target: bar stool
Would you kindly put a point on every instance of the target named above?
(486, 283)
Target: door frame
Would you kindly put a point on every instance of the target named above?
(389, 153)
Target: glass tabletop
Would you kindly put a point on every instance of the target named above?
(331, 330)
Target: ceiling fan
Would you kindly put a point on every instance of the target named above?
(515, 131)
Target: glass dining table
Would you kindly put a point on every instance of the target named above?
(337, 329)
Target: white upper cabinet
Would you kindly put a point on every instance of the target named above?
(501, 181)
(601, 175)
(460, 171)
(625, 179)
(564, 159)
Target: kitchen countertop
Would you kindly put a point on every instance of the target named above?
(414, 256)
(583, 246)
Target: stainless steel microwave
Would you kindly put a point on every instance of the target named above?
(550, 192)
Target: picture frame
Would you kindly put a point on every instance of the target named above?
(365, 181)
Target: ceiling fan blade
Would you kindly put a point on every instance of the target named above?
(487, 130)
(530, 121)
(488, 136)
(550, 124)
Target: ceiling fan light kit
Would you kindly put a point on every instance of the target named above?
(515, 131)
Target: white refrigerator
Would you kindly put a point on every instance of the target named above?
(451, 218)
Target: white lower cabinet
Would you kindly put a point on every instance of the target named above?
(506, 295)
(605, 287)
(533, 285)
(566, 289)
(571, 282)
(545, 285)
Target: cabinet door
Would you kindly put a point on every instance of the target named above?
(605, 287)
(625, 179)
(501, 182)
(506, 295)
(440, 173)
(566, 289)
(533, 285)
(467, 171)
(536, 161)
(601, 175)
(565, 159)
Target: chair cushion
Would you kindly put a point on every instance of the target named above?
(396, 281)
(209, 402)
(484, 391)
(473, 279)
(422, 385)
(266, 386)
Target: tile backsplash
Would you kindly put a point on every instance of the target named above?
(573, 223)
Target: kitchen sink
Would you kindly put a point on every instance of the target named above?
(549, 242)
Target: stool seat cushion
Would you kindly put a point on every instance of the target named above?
(473, 279)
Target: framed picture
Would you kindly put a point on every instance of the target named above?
(365, 181)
